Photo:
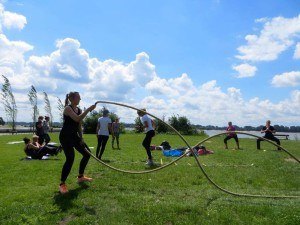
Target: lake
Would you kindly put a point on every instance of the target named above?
(293, 136)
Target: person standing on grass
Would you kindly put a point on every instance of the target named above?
(71, 137)
(39, 131)
(269, 132)
(231, 134)
(148, 125)
(115, 133)
(46, 128)
(102, 132)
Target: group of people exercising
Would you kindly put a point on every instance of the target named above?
(71, 137)
(267, 130)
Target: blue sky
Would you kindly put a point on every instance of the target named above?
(212, 61)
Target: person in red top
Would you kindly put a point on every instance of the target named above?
(231, 134)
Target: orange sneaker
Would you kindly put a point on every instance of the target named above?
(83, 179)
(63, 189)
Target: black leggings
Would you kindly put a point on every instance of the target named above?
(68, 144)
(147, 141)
(269, 138)
(102, 140)
(229, 137)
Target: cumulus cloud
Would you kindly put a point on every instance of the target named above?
(245, 70)
(11, 20)
(69, 67)
(170, 87)
(289, 79)
(277, 35)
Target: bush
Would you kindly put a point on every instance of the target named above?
(90, 122)
(182, 124)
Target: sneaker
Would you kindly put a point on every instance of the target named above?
(63, 189)
(83, 179)
(150, 162)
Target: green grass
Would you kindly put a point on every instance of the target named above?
(179, 194)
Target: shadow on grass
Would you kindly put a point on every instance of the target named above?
(65, 202)
(26, 159)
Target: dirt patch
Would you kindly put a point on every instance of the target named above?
(290, 160)
(67, 219)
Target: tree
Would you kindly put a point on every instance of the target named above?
(61, 108)
(2, 121)
(138, 126)
(160, 126)
(9, 102)
(182, 124)
(48, 108)
(32, 94)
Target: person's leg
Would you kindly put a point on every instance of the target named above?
(99, 138)
(225, 141)
(70, 154)
(117, 138)
(277, 141)
(236, 141)
(104, 141)
(113, 141)
(48, 150)
(147, 142)
(41, 139)
(81, 148)
(47, 138)
(258, 143)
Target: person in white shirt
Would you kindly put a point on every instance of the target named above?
(148, 125)
(102, 132)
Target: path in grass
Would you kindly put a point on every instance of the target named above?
(177, 195)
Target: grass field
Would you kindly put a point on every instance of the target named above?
(179, 194)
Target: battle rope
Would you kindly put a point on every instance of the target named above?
(196, 158)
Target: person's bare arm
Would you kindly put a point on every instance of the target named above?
(31, 146)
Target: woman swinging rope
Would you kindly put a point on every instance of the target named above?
(71, 137)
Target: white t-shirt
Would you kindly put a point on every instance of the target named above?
(103, 122)
(149, 121)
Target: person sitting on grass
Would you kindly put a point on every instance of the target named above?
(36, 152)
(148, 125)
(231, 134)
(269, 134)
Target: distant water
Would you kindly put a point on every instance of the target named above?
(293, 136)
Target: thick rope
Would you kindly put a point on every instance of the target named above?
(196, 158)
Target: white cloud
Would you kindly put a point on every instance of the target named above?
(170, 87)
(297, 51)
(245, 70)
(11, 20)
(289, 79)
(277, 35)
(69, 67)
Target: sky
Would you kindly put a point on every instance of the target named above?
(212, 61)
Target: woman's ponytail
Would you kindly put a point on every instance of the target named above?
(67, 100)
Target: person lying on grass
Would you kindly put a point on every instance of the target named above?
(37, 152)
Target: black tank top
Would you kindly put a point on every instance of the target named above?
(70, 126)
